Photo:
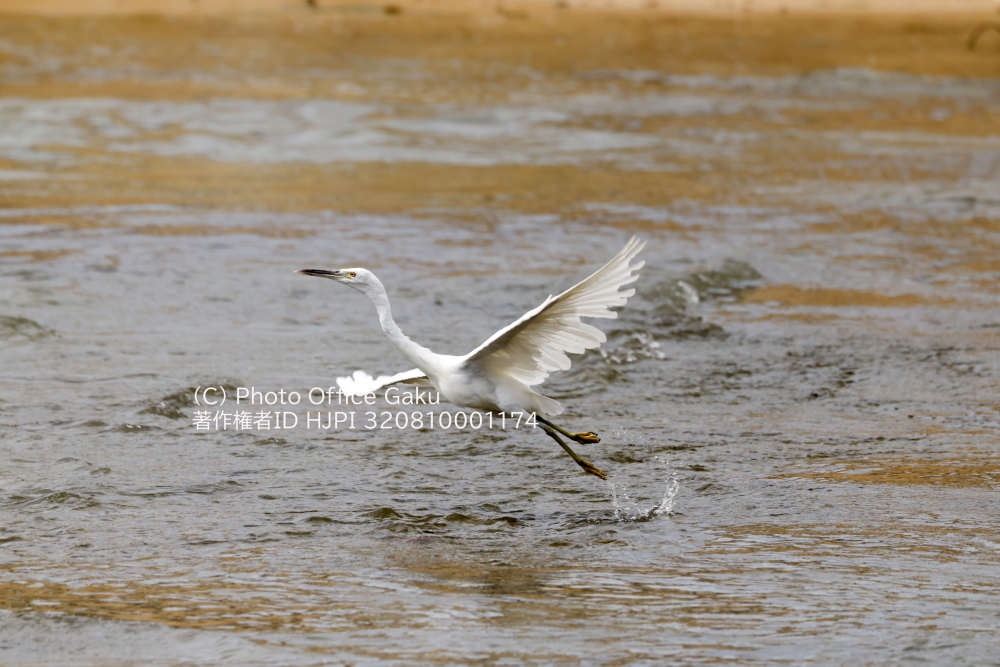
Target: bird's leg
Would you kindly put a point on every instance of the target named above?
(583, 438)
(586, 465)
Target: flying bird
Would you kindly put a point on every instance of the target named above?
(498, 376)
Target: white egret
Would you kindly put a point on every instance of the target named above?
(498, 375)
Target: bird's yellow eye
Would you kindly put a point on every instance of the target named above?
(352, 274)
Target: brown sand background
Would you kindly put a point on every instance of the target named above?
(77, 7)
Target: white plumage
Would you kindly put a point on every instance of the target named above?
(361, 383)
(499, 374)
(535, 345)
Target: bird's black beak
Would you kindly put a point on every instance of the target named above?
(321, 273)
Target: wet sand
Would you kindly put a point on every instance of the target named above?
(812, 356)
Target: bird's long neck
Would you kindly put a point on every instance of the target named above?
(419, 355)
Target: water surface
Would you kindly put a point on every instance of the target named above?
(798, 409)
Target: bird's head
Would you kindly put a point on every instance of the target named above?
(360, 279)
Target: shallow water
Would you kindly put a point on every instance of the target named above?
(798, 409)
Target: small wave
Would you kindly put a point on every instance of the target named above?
(46, 499)
(667, 309)
(132, 428)
(22, 327)
(172, 405)
(227, 486)
(726, 282)
(437, 523)
(629, 347)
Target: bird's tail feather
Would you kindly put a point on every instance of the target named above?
(359, 384)
(544, 405)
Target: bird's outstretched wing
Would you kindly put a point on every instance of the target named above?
(361, 383)
(535, 345)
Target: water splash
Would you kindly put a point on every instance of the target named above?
(627, 508)
(632, 346)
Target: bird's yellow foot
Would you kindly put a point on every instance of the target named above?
(585, 438)
(592, 469)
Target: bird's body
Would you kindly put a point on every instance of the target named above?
(498, 376)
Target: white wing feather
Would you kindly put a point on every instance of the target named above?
(535, 345)
(361, 383)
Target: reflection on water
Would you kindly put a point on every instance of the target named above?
(798, 409)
